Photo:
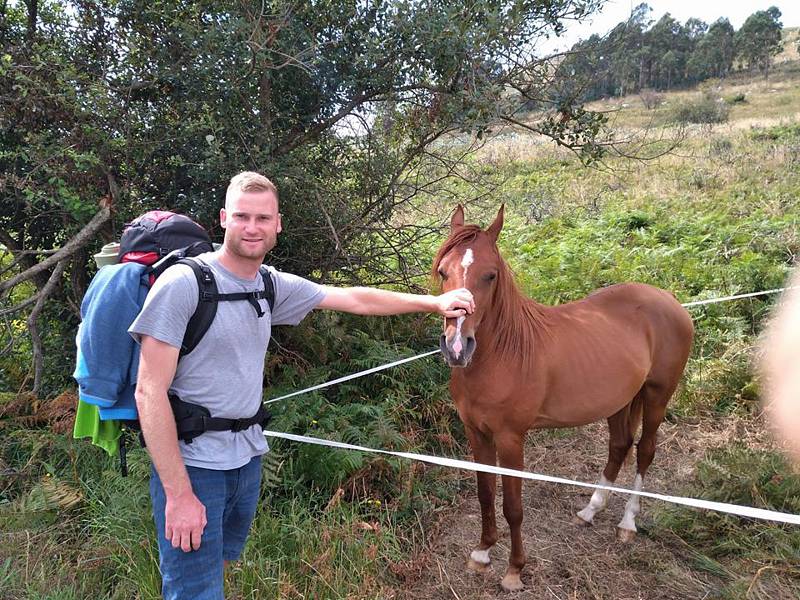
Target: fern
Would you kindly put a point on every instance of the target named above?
(271, 465)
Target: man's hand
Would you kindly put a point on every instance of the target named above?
(455, 303)
(185, 519)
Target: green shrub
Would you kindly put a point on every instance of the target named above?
(789, 132)
(706, 110)
(738, 98)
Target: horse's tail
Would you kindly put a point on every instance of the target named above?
(635, 416)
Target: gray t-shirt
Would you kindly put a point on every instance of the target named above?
(225, 371)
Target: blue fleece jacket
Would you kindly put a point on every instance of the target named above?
(108, 357)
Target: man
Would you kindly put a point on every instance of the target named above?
(205, 493)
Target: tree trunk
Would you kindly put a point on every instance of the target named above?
(33, 11)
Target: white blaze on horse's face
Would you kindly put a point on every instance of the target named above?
(465, 263)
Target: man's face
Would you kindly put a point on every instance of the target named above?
(252, 224)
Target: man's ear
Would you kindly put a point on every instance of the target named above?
(457, 219)
(223, 218)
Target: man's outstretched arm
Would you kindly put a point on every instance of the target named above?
(373, 301)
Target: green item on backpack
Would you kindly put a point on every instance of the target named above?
(104, 434)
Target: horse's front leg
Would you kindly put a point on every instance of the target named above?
(510, 452)
(483, 450)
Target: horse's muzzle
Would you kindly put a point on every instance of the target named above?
(461, 354)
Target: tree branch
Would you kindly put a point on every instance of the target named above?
(314, 131)
(81, 239)
(33, 324)
(20, 306)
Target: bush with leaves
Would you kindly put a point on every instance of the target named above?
(708, 109)
(157, 105)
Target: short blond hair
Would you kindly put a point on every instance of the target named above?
(250, 181)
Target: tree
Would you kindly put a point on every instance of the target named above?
(714, 52)
(668, 41)
(156, 104)
(759, 39)
(637, 55)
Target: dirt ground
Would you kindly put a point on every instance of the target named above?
(570, 562)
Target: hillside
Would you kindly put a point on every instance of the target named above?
(718, 215)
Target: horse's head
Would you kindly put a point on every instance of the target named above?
(468, 258)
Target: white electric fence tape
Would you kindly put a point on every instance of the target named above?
(727, 298)
(354, 376)
(734, 509)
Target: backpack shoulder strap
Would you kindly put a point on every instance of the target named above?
(209, 296)
(206, 309)
(269, 287)
(253, 297)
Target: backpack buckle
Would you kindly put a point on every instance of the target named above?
(238, 425)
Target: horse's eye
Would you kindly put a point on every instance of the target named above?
(442, 273)
(489, 276)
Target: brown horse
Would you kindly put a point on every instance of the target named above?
(518, 365)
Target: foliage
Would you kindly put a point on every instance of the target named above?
(747, 477)
(638, 54)
(713, 56)
(778, 133)
(759, 39)
(702, 227)
(737, 98)
(706, 110)
(156, 105)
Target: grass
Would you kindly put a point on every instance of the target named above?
(716, 217)
(753, 559)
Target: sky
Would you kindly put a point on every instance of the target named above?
(615, 11)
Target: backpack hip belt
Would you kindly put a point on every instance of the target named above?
(192, 420)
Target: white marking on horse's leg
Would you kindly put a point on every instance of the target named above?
(628, 521)
(598, 501)
(481, 556)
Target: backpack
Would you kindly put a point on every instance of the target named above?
(107, 360)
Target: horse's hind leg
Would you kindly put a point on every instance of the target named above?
(655, 398)
(484, 452)
(510, 452)
(621, 427)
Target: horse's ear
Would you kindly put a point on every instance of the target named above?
(494, 228)
(457, 219)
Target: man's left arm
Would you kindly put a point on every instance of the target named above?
(374, 301)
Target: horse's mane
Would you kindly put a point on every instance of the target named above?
(518, 321)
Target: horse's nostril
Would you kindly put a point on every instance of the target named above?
(470, 345)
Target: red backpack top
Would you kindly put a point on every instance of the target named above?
(153, 235)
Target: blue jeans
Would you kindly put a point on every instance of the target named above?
(230, 498)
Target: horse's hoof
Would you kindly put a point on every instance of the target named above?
(477, 567)
(626, 536)
(511, 583)
(580, 522)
